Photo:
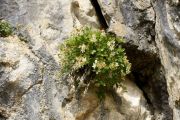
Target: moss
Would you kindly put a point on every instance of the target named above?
(5, 29)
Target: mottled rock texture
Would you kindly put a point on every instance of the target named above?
(30, 88)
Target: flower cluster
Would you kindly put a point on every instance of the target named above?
(80, 62)
(97, 52)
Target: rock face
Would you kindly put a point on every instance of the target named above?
(119, 104)
(168, 44)
(30, 88)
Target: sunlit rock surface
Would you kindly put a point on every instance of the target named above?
(29, 85)
(119, 104)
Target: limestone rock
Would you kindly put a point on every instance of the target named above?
(31, 90)
(133, 103)
(120, 104)
(167, 40)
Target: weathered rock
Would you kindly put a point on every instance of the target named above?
(167, 39)
(83, 13)
(30, 88)
(20, 71)
(140, 18)
(133, 104)
(133, 20)
(42, 25)
(121, 104)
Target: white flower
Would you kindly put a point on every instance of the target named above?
(103, 33)
(114, 65)
(93, 38)
(111, 48)
(84, 59)
(112, 54)
(101, 65)
(80, 61)
(94, 64)
(83, 48)
(111, 45)
(97, 72)
(93, 51)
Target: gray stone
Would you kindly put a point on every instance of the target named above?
(29, 85)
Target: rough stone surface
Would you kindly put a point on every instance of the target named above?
(29, 85)
(120, 104)
(168, 43)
